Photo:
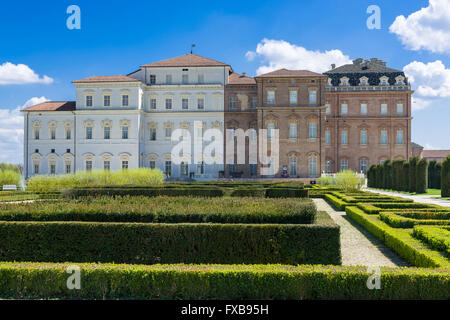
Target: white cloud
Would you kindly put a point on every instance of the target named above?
(11, 132)
(430, 79)
(279, 54)
(20, 74)
(432, 147)
(419, 104)
(428, 28)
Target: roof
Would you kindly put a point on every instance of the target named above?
(119, 78)
(52, 106)
(236, 78)
(435, 153)
(373, 65)
(416, 145)
(285, 73)
(187, 60)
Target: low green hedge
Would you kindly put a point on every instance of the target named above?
(377, 207)
(148, 192)
(421, 214)
(398, 221)
(248, 192)
(150, 243)
(223, 282)
(437, 238)
(284, 192)
(399, 240)
(165, 210)
(336, 202)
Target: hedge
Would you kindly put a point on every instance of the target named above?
(248, 192)
(376, 207)
(281, 192)
(445, 177)
(165, 210)
(143, 191)
(422, 176)
(223, 282)
(398, 221)
(150, 243)
(443, 214)
(437, 238)
(412, 173)
(399, 240)
(397, 171)
(336, 202)
(405, 177)
(387, 170)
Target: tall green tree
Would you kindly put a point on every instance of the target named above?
(412, 173)
(445, 177)
(422, 176)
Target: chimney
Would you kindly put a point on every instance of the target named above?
(333, 66)
(243, 74)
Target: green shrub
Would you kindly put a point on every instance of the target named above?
(164, 209)
(412, 173)
(405, 177)
(141, 176)
(349, 181)
(336, 202)
(150, 243)
(387, 174)
(376, 207)
(445, 177)
(398, 221)
(222, 282)
(144, 191)
(437, 238)
(399, 240)
(280, 192)
(437, 183)
(325, 180)
(9, 177)
(397, 168)
(421, 176)
(423, 215)
(248, 192)
(432, 174)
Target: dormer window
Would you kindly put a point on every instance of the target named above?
(384, 81)
(399, 80)
(344, 81)
(329, 82)
(363, 81)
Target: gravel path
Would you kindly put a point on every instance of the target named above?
(429, 199)
(358, 246)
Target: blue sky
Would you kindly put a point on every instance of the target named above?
(116, 37)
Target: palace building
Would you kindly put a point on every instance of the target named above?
(351, 117)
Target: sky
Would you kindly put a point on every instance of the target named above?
(40, 56)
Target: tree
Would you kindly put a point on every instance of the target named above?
(412, 173)
(405, 176)
(422, 176)
(397, 172)
(445, 177)
(438, 176)
(387, 171)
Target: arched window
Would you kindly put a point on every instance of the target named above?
(293, 166)
(312, 166)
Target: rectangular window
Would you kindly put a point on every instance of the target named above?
(270, 97)
(363, 165)
(88, 133)
(253, 170)
(312, 96)
(168, 132)
(107, 101)
(363, 137)
(107, 165)
(152, 79)
(292, 166)
(327, 166)
(384, 137)
(201, 168)
(399, 136)
(53, 134)
(270, 130)
(125, 100)
(152, 164)
(312, 130)
(89, 165)
(152, 134)
(168, 103)
(107, 133)
(384, 109)
(344, 164)
(293, 97)
(36, 168)
(312, 167)
(363, 109)
(327, 137)
(344, 137)
(201, 78)
(168, 168)
(68, 134)
(292, 131)
(124, 132)
(184, 103)
(168, 79)
(233, 103)
(153, 103)
(184, 79)
(344, 109)
(201, 103)
(36, 133)
(328, 109)
(124, 164)
(68, 168)
(88, 101)
(52, 169)
(399, 109)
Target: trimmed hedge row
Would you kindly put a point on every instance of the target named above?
(150, 243)
(283, 192)
(436, 238)
(424, 215)
(224, 282)
(445, 177)
(148, 192)
(399, 240)
(398, 221)
(377, 207)
(165, 210)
